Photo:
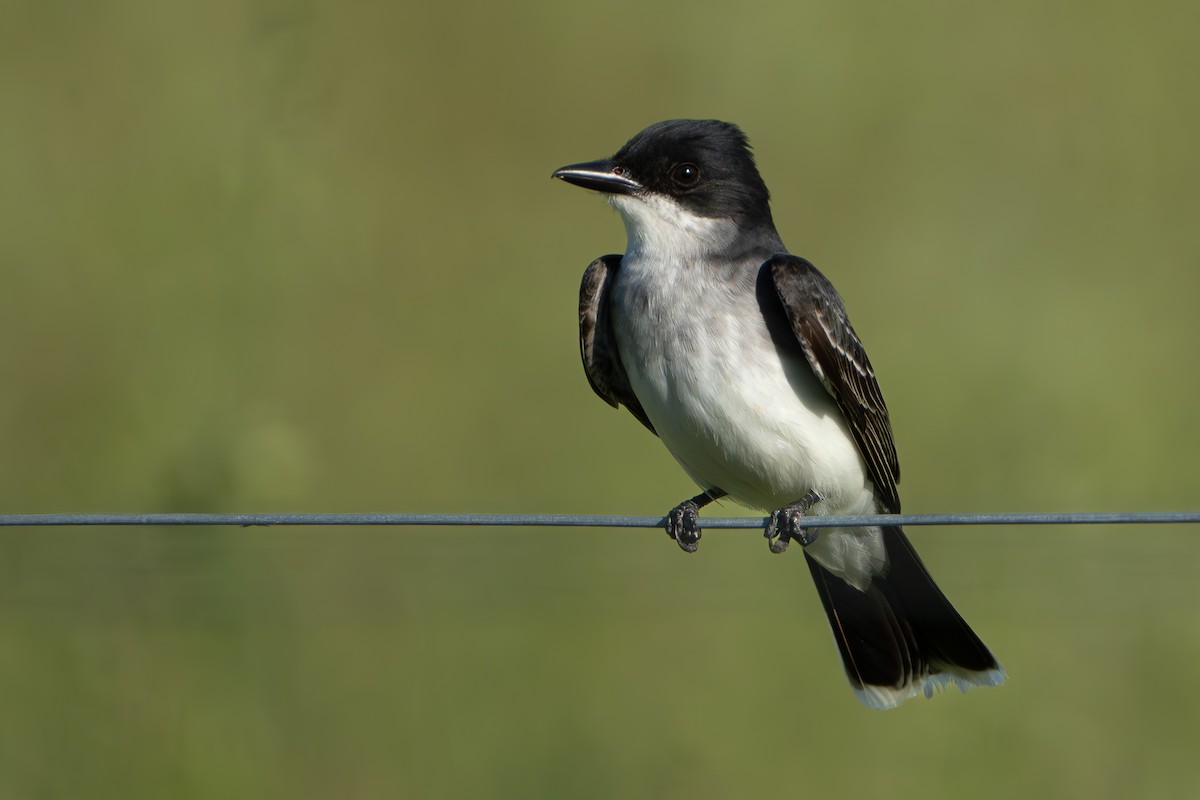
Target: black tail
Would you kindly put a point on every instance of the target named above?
(901, 636)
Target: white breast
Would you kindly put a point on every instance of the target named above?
(734, 412)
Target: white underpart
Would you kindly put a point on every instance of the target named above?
(732, 412)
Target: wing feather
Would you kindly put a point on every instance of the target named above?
(819, 322)
(597, 345)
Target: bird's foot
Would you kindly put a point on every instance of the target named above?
(683, 521)
(683, 525)
(787, 523)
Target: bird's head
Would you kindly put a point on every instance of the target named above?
(684, 173)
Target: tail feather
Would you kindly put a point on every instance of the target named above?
(901, 636)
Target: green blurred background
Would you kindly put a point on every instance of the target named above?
(306, 256)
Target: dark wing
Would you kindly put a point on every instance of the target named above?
(818, 319)
(598, 346)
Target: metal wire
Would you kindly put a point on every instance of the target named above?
(592, 521)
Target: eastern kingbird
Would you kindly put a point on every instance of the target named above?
(741, 358)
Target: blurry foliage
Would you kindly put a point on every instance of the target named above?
(307, 256)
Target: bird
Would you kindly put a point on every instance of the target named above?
(741, 358)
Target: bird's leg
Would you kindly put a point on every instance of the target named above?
(683, 521)
(787, 523)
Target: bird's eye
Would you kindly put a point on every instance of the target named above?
(685, 174)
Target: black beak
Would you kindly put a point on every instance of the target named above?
(601, 176)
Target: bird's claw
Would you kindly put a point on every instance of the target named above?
(683, 525)
(787, 523)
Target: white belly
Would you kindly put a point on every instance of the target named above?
(734, 413)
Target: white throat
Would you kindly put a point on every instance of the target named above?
(657, 226)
